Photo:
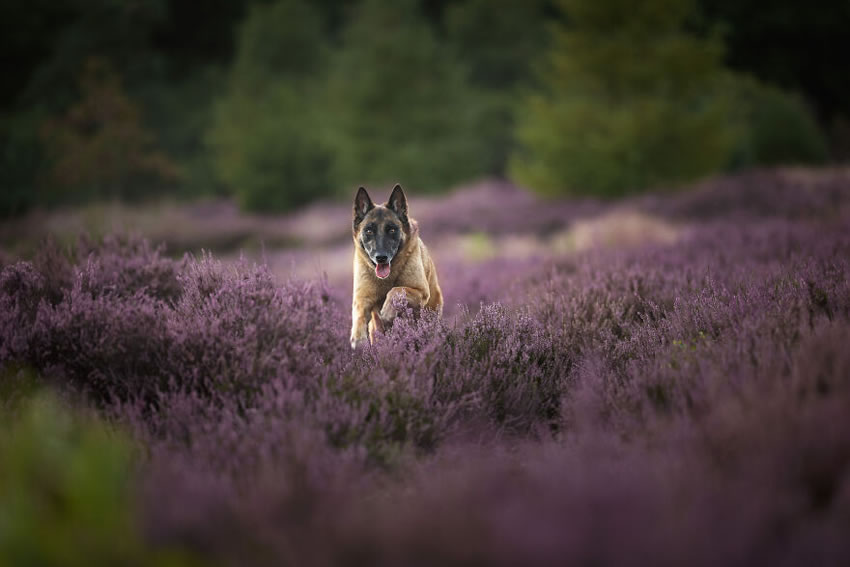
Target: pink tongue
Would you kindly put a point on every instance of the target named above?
(382, 270)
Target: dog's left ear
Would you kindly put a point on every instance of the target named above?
(398, 202)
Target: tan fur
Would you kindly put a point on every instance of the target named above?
(412, 275)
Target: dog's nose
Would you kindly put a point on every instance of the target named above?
(381, 259)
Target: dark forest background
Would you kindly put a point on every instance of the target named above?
(278, 103)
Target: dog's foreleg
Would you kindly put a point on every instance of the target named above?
(415, 298)
(375, 325)
(359, 325)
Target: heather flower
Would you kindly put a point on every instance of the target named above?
(560, 402)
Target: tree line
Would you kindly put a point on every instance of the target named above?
(281, 102)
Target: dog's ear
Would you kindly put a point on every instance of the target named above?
(398, 202)
(362, 205)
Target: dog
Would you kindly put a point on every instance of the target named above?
(391, 266)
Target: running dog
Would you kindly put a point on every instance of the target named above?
(391, 266)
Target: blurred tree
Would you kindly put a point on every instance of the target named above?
(499, 41)
(99, 148)
(264, 137)
(43, 46)
(282, 40)
(165, 51)
(629, 100)
(400, 108)
(267, 150)
(780, 128)
(80, 30)
(179, 112)
(796, 47)
(21, 158)
(792, 45)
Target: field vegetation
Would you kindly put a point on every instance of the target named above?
(661, 380)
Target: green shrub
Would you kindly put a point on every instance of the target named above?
(21, 158)
(100, 148)
(265, 141)
(180, 112)
(268, 150)
(496, 40)
(780, 127)
(400, 107)
(65, 492)
(284, 39)
(630, 99)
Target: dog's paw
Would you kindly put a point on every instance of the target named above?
(357, 342)
(388, 316)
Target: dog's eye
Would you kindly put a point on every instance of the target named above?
(391, 230)
(369, 231)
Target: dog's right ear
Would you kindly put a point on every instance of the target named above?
(362, 205)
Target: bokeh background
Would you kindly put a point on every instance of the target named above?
(275, 104)
(215, 126)
(640, 217)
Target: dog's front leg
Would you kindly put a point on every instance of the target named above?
(415, 298)
(376, 326)
(359, 324)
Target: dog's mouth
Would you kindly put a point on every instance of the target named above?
(382, 270)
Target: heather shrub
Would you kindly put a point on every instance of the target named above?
(760, 195)
(236, 329)
(232, 331)
(503, 345)
(22, 290)
(126, 265)
(105, 345)
(559, 403)
(264, 474)
(468, 371)
(661, 339)
(96, 325)
(114, 264)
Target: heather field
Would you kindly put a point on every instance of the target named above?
(663, 380)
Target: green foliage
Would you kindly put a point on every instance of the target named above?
(50, 43)
(373, 91)
(281, 40)
(629, 100)
(21, 156)
(790, 46)
(110, 138)
(267, 148)
(65, 495)
(780, 128)
(180, 112)
(400, 108)
(496, 40)
(99, 148)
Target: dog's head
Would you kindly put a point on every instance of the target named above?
(381, 230)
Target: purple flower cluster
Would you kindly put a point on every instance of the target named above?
(684, 403)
